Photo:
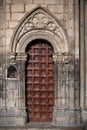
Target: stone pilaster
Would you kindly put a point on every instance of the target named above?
(21, 59)
(60, 106)
(65, 110)
(82, 55)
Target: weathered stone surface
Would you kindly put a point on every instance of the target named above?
(54, 1)
(22, 1)
(29, 7)
(17, 8)
(56, 8)
(8, 1)
(1, 2)
(43, 25)
(12, 24)
(8, 8)
(17, 16)
(9, 33)
(8, 15)
(38, 1)
(12, 121)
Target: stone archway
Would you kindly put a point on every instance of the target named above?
(41, 24)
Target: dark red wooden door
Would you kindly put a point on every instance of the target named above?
(40, 81)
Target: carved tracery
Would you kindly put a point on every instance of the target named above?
(40, 19)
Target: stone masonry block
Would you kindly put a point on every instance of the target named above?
(7, 47)
(17, 16)
(77, 50)
(70, 16)
(12, 121)
(54, 1)
(7, 42)
(8, 1)
(70, 1)
(29, 7)
(77, 103)
(6, 25)
(71, 103)
(1, 18)
(1, 9)
(9, 33)
(72, 120)
(56, 8)
(17, 8)
(70, 24)
(8, 8)
(22, 1)
(59, 16)
(1, 29)
(38, 1)
(70, 32)
(13, 24)
(1, 2)
(7, 16)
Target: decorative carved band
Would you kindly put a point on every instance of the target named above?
(16, 57)
(62, 57)
(21, 56)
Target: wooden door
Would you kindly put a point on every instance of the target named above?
(39, 81)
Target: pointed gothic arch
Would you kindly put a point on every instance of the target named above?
(39, 23)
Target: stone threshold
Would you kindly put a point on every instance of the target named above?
(42, 126)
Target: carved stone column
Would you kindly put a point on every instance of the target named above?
(20, 59)
(66, 112)
(61, 92)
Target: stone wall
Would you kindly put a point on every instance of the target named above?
(63, 10)
(86, 46)
(12, 96)
(2, 59)
(84, 115)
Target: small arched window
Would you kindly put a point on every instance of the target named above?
(12, 72)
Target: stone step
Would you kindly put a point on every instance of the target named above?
(42, 126)
(22, 128)
(47, 128)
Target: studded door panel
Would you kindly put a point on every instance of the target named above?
(40, 82)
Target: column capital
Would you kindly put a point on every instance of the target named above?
(62, 57)
(11, 57)
(21, 57)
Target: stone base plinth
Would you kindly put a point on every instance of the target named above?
(42, 126)
(66, 118)
(12, 121)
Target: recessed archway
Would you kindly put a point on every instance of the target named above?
(47, 27)
(40, 23)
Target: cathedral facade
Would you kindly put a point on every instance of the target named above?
(43, 67)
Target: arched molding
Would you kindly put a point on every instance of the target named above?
(39, 23)
(56, 42)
